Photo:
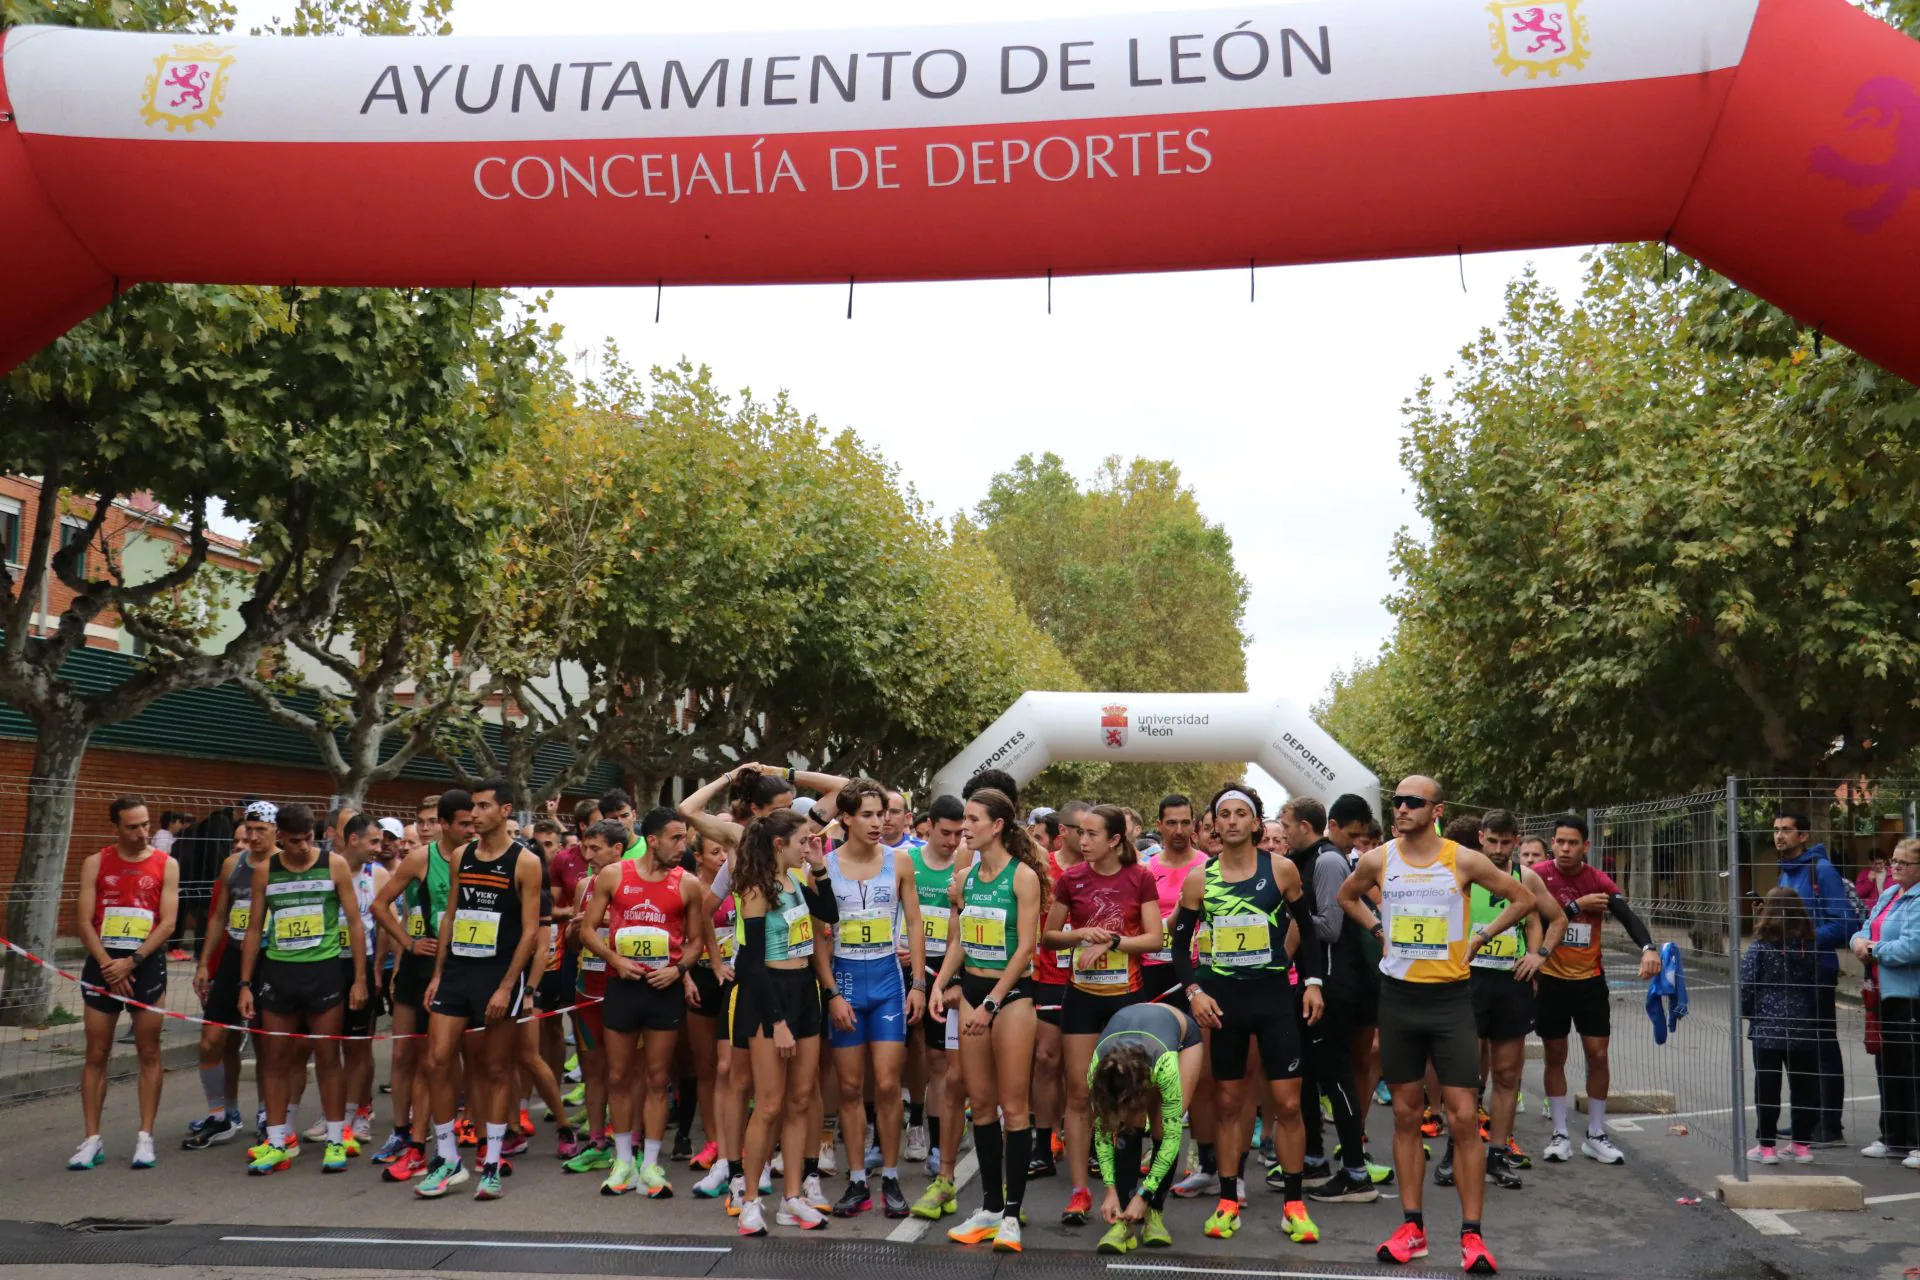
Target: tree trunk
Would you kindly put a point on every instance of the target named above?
(33, 905)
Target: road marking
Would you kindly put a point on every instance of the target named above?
(1727, 1111)
(1904, 1195)
(1767, 1222)
(1225, 1271)
(913, 1228)
(595, 1246)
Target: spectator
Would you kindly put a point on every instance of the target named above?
(1806, 869)
(1874, 879)
(1779, 976)
(1889, 944)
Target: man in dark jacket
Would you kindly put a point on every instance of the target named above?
(1806, 869)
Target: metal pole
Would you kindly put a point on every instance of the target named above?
(1736, 1042)
(1912, 812)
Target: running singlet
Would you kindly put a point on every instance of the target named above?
(1425, 917)
(789, 926)
(869, 911)
(725, 930)
(1170, 881)
(363, 892)
(425, 922)
(936, 911)
(486, 919)
(303, 911)
(989, 918)
(1503, 951)
(1247, 922)
(126, 898)
(1094, 901)
(239, 898)
(647, 919)
(1578, 955)
(1046, 961)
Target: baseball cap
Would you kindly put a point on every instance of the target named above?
(1039, 815)
(393, 827)
(804, 805)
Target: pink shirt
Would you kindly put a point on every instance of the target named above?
(1171, 880)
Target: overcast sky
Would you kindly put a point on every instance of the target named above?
(1284, 415)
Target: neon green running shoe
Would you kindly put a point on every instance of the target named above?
(1119, 1238)
(335, 1158)
(624, 1178)
(654, 1184)
(576, 1096)
(271, 1159)
(1155, 1234)
(1298, 1224)
(1224, 1222)
(938, 1201)
(591, 1159)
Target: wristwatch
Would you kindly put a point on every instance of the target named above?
(1543, 951)
(991, 1005)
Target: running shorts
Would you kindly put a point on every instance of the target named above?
(877, 991)
(977, 987)
(640, 1006)
(149, 979)
(290, 988)
(1428, 1021)
(1086, 1014)
(554, 993)
(1502, 1006)
(1582, 1004)
(465, 989)
(360, 1022)
(715, 996)
(799, 999)
(223, 990)
(1156, 980)
(1251, 1011)
(410, 980)
(933, 1033)
(1050, 998)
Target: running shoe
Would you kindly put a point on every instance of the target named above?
(1500, 1169)
(1042, 1167)
(316, 1132)
(1404, 1245)
(1517, 1155)
(391, 1150)
(932, 1165)
(1382, 1096)
(1007, 1239)
(766, 1181)
(143, 1151)
(1443, 1172)
(814, 1194)
(351, 1143)
(736, 1195)
(334, 1158)
(411, 1164)
(713, 1186)
(703, 1160)
(1268, 1155)
(272, 1160)
(937, 1202)
(796, 1212)
(1429, 1124)
(465, 1134)
(1298, 1224)
(977, 1229)
(206, 1121)
(1475, 1260)
(682, 1146)
(489, 1188)
(362, 1126)
(567, 1144)
(443, 1177)
(1326, 1108)
(653, 1182)
(1484, 1121)
(1799, 1151)
(1380, 1174)
(856, 1199)
(1599, 1146)
(893, 1201)
(513, 1144)
(219, 1129)
(1559, 1149)
(753, 1219)
(591, 1159)
(1520, 1102)
(259, 1149)
(1154, 1234)
(175, 955)
(919, 1142)
(1224, 1221)
(1913, 1159)
(1079, 1206)
(1763, 1154)
(1349, 1186)
(625, 1177)
(1197, 1185)
(1118, 1239)
(572, 1069)
(1875, 1150)
(1057, 1144)
(524, 1123)
(1317, 1172)
(576, 1096)
(829, 1164)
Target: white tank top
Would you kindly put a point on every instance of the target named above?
(1425, 917)
(869, 911)
(365, 891)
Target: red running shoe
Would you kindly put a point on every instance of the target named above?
(1404, 1245)
(465, 1134)
(1429, 1124)
(412, 1164)
(526, 1123)
(1079, 1206)
(1474, 1258)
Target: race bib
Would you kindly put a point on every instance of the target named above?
(476, 934)
(983, 933)
(1202, 942)
(125, 928)
(865, 933)
(591, 961)
(299, 928)
(1420, 931)
(937, 924)
(646, 945)
(1501, 952)
(1579, 934)
(1109, 970)
(723, 939)
(799, 931)
(239, 916)
(1242, 941)
(416, 923)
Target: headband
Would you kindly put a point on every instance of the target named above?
(1250, 802)
(263, 811)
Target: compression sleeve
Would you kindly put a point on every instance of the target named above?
(821, 905)
(751, 969)
(1311, 959)
(722, 881)
(1185, 920)
(1635, 927)
(1173, 1108)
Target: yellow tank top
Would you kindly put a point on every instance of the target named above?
(1425, 915)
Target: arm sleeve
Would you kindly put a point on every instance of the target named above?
(1185, 921)
(1329, 873)
(1173, 1107)
(751, 969)
(1631, 922)
(1311, 960)
(823, 907)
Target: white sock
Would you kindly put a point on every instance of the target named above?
(496, 1137)
(858, 1175)
(1558, 1106)
(1596, 1117)
(293, 1116)
(650, 1152)
(277, 1134)
(446, 1143)
(336, 1131)
(890, 1173)
(623, 1147)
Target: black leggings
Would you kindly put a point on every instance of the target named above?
(1802, 1066)
(1126, 1168)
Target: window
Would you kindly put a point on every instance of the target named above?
(10, 530)
(72, 530)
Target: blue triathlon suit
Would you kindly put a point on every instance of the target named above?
(866, 969)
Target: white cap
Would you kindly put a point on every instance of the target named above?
(263, 811)
(394, 828)
(804, 805)
(1038, 814)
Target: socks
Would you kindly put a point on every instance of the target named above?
(1290, 1185)
(1230, 1187)
(336, 1131)
(1596, 1117)
(857, 1177)
(916, 1113)
(890, 1173)
(1470, 1227)
(213, 1083)
(233, 1109)
(1042, 1143)
(277, 1134)
(1019, 1152)
(404, 1132)
(1209, 1158)
(651, 1151)
(496, 1136)
(987, 1149)
(933, 1131)
(446, 1144)
(809, 1168)
(1557, 1107)
(1416, 1217)
(623, 1147)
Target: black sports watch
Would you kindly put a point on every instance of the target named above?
(991, 1005)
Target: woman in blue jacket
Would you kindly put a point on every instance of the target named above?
(1890, 944)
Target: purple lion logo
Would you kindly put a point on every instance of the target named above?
(1884, 103)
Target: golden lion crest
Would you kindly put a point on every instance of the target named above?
(187, 86)
(1537, 36)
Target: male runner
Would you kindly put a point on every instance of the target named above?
(1426, 1002)
(566, 867)
(129, 901)
(896, 832)
(1356, 983)
(1573, 986)
(604, 843)
(217, 980)
(928, 1066)
(487, 936)
(1049, 1001)
(359, 838)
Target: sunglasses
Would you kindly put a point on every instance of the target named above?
(1411, 802)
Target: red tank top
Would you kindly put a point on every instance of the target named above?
(126, 898)
(647, 919)
(1046, 961)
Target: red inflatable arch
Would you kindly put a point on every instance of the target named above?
(1777, 140)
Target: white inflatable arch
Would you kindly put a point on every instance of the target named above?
(1163, 728)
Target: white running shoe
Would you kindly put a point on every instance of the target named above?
(1877, 1150)
(1559, 1149)
(779, 1164)
(1913, 1159)
(813, 1193)
(753, 1219)
(315, 1132)
(796, 1212)
(1600, 1147)
(978, 1229)
(828, 1165)
(932, 1165)
(1007, 1240)
(90, 1154)
(143, 1151)
(1197, 1185)
(918, 1142)
(363, 1126)
(711, 1186)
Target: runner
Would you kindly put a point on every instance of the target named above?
(217, 981)
(487, 937)
(1503, 1000)
(129, 901)
(298, 983)
(641, 918)
(707, 1036)
(359, 840)
(1242, 996)
(872, 1006)
(1004, 897)
(753, 791)
(1426, 1002)
(604, 844)
(776, 1004)
(1050, 1000)
(933, 867)
(1106, 911)
(1178, 857)
(1355, 983)
(566, 867)
(896, 832)
(1149, 1054)
(1573, 986)
(531, 1077)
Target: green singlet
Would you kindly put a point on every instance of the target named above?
(989, 916)
(304, 920)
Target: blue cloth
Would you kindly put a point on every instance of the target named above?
(1667, 993)
(1811, 875)
(1898, 954)
(1779, 995)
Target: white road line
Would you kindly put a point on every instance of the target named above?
(596, 1246)
(914, 1228)
(1767, 1222)
(1727, 1111)
(1904, 1195)
(1225, 1271)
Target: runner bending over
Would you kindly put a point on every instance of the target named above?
(1149, 1054)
